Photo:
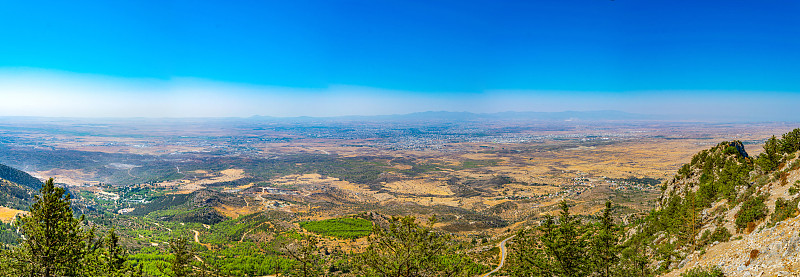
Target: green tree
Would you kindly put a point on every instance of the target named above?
(528, 254)
(54, 243)
(558, 250)
(115, 253)
(306, 253)
(753, 209)
(406, 249)
(633, 263)
(180, 264)
(113, 258)
(605, 243)
(771, 157)
(790, 142)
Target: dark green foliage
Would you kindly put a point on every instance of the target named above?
(197, 207)
(724, 169)
(790, 142)
(604, 244)
(633, 262)
(556, 249)
(685, 170)
(771, 157)
(704, 272)
(795, 188)
(784, 209)
(182, 254)
(234, 229)
(114, 253)
(15, 196)
(405, 248)
(161, 203)
(54, 243)
(665, 233)
(346, 228)
(720, 234)
(306, 254)
(19, 177)
(566, 247)
(753, 209)
(108, 258)
(8, 234)
(17, 188)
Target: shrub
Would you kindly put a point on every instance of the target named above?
(704, 272)
(795, 188)
(753, 209)
(784, 209)
(720, 234)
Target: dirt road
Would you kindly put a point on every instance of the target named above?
(503, 254)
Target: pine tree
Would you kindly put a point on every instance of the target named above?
(182, 256)
(569, 245)
(306, 253)
(790, 142)
(528, 256)
(54, 243)
(555, 250)
(770, 158)
(115, 254)
(406, 249)
(605, 244)
(114, 258)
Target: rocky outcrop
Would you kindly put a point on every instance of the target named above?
(767, 249)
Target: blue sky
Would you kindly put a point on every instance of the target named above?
(321, 58)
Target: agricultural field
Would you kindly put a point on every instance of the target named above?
(345, 228)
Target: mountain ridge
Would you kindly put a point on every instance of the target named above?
(731, 211)
(17, 188)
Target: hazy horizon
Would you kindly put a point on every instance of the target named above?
(717, 59)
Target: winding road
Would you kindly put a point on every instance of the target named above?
(197, 239)
(503, 254)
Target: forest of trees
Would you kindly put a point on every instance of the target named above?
(566, 246)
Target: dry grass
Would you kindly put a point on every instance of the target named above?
(186, 186)
(8, 214)
(419, 187)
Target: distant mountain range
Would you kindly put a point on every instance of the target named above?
(584, 116)
(608, 115)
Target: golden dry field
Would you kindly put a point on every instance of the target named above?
(8, 214)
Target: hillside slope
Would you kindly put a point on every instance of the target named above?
(19, 177)
(731, 211)
(772, 248)
(17, 188)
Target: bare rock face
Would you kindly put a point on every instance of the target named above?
(766, 252)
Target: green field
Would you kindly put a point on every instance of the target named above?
(346, 228)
